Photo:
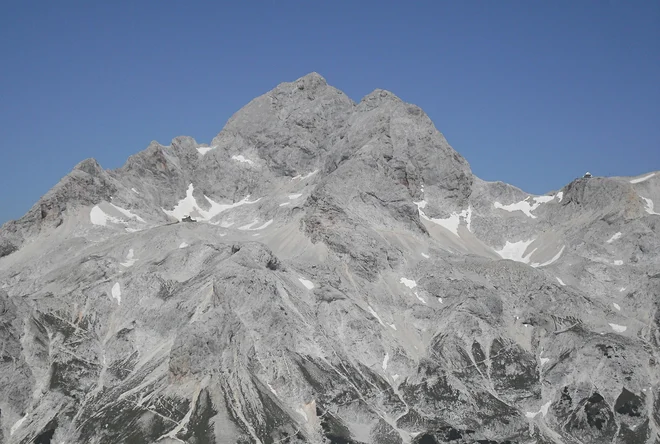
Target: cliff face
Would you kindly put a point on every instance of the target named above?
(347, 279)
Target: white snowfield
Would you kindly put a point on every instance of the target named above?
(385, 359)
(452, 222)
(188, 206)
(643, 178)
(116, 293)
(543, 410)
(306, 176)
(517, 251)
(525, 206)
(560, 281)
(308, 284)
(205, 149)
(408, 283)
(614, 237)
(99, 217)
(249, 227)
(242, 159)
(618, 328)
(649, 206)
(617, 306)
(183, 245)
(130, 259)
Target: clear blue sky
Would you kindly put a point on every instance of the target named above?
(533, 93)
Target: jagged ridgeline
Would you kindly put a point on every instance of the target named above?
(343, 278)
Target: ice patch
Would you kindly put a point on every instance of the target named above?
(649, 206)
(643, 178)
(116, 293)
(408, 283)
(617, 306)
(183, 245)
(618, 262)
(294, 196)
(385, 359)
(16, 425)
(134, 190)
(560, 281)
(308, 284)
(525, 206)
(425, 255)
(453, 221)
(375, 315)
(242, 159)
(560, 196)
(130, 260)
(421, 204)
(188, 206)
(554, 259)
(614, 237)
(205, 149)
(516, 251)
(543, 410)
(622, 289)
(285, 203)
(618, 328)
(393, 326)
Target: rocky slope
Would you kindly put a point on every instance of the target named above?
(347, 280)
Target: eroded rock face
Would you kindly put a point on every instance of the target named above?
(347, 280)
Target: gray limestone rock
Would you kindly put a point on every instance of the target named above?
(347, 279)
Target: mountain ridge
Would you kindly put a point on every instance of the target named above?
(348, 279)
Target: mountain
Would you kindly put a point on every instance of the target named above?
(327, 271)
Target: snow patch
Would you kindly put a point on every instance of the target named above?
(618, 328)
(128, 213)
(99, 217)
(525, 206)
(116, 293)
(294, 196)
(643, 178)
(130, 259)
(271, 388)
(302, 413)
(308, 284)
(385, 359)
(542, 359)
(188, 206)
(395, 377)
(183, 245)
(452, 222)
(260, 227)
(649, 206)
(375, 315)
(16, 425)
(205, 149)
(614, 237)
(560, 281)
(134, 190)
(306, 176)
(560, 196)
(425, 255)
(242, 159)
(617, 306)
(618, 262)
(421, 204)
(420, 298)
(408, 283)
(516, 251)
(554, 259)
(393, 326)
(543, 410)
(622, 289)
(285, 203)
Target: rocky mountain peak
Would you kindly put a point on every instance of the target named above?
(328, 272)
